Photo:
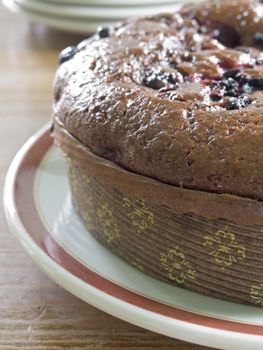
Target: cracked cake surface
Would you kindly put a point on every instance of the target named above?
(177, 97)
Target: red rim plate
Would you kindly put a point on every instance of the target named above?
(22, 181)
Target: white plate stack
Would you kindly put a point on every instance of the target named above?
(84, 16)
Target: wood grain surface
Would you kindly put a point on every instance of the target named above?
(35, 313)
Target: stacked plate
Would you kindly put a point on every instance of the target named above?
(84, 16)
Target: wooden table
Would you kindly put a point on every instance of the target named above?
(35, 313)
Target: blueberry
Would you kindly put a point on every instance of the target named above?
(246, 88)
(258, 39)
(226, 35)
(255, 82)
(157, 80)
(153, 82)
(103, 32)
(173, 65)
(169, 78)
(67, 54)
(187, 57)
(233, 73)
(259, 61)
(229, 86)
(228, 83)
(237, 102)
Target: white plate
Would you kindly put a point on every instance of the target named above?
(39, 212)
(82, 26)
(111, 2)
(106, 13)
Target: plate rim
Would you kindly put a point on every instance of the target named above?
(112, 3)
(86, 12)
(78, 25)
(191, 332)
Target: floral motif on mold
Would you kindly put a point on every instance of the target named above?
(139, 214)
(178, 268)
(256, 294)
(108, 223)
(224, 248)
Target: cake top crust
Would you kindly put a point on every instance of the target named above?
(177, 96)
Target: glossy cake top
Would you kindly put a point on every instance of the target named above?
(177, 97)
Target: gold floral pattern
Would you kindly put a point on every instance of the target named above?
(137, 264)
(256, 294)
(141, 217)
(177, 267)
(84, 204)
(224, 248)
(73, 180)
(78, 176)
(87, 180)
(108, 222)
(87, 212)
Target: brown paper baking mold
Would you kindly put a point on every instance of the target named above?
(210, 243)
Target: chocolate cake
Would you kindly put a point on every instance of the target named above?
(177, 97)
(171, 104)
